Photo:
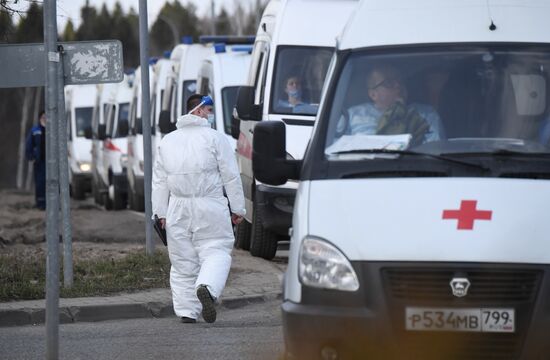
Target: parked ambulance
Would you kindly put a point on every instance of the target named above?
(419, 229)
(109, 147)
(135, 161)
(220, 76)
(79, 104)
(292, 51)
(181, 81)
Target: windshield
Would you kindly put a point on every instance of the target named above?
(471, 100)
(83, 119)
(122, 123)
(229, 98)
(189, 88)
(299, 76)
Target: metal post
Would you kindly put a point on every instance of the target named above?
(146, 122)
(52, 182)
(213, 17)
(64, 177)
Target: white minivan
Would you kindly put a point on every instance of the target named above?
(109, 144)
(419, 229)
(294, 44)
(220, 76)
(79, 105)
(181, 81)
(135, 161)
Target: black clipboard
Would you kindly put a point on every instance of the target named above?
(160, 231)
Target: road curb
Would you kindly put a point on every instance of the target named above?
(95, 313)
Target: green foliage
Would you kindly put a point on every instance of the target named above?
(173, 22)
(6, 27)
(69, 33)
(31, 27)
(25, 279)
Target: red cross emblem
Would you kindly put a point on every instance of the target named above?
(467, 214)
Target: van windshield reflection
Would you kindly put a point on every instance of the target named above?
(299, 77)
(477, 100)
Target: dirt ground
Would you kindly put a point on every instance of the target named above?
(96, 233)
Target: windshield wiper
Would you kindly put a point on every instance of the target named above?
(412, 153)
(502, 153)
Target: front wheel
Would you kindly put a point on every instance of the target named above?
(263, 242)
(77, 189)
(242, 235)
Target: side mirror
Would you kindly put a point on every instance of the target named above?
(235, 125)
(269, 161)
(246, 109)
(138, 126)
(123, 128)
(165, 125)
(101, 132)
(88, 132)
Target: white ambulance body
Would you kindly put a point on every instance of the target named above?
(135, 166)
(109, 149)
(79, 104)
(181, 82)
(295, 39)
(106, 94)
(161, 70)
(220, 76)
(406, 247)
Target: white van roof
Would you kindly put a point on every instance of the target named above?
(311, 22)
(161, 70)
(189, 58)
(232, 68)
(393, 22)
(81, 95)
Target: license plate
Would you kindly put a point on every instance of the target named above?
(460, 319)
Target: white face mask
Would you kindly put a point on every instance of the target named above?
(211, 119)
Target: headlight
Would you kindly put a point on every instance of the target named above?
(324, 266)
(84, 167)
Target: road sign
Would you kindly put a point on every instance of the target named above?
(84, 62)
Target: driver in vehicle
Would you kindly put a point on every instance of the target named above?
(387, 112)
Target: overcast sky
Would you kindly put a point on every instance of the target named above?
(71, 8)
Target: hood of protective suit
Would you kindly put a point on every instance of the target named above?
(191, 120)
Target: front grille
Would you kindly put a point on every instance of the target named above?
(489, 287)
(427, 285)
(452, 346)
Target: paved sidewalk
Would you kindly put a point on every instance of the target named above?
(250, 280)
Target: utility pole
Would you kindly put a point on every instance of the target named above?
(213, 17)
(52, 181)
(146, 125)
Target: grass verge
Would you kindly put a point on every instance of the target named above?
(25, 279)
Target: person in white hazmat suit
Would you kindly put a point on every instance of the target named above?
(194, 165)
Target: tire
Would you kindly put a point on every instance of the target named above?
(96, 194)
(137, 203)
(263, 242)
(77, 189)
(107, 202)
(243, 232)
(119, 197)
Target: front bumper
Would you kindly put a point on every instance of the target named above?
(85, 179)
(276, 205)
(370, 323)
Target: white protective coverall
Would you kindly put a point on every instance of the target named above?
(193, 165)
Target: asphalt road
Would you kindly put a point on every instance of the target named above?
(251, 332)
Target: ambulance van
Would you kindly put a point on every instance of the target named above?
(109, 149)
(181, 81)
(220, 76)
(420, 228)
(135, 161)
(79, 105)
(293, 46)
